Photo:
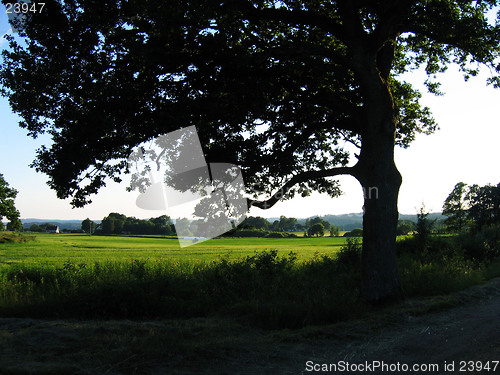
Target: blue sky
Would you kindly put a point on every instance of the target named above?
(466, 148)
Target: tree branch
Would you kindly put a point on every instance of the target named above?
(305, 176)
(297, 17)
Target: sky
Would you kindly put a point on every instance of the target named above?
(466, 148)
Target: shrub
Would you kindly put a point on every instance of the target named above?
(434, 247)
(350, 254)
(10, 237)
(358, 232)
(421, 277)
(249, 233)
(484, 245)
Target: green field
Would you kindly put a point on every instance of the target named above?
(271, 283)
(56, 249)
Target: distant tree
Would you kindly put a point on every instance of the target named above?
(116, 223)
(484, 205)
(162, 224)
(119, 225)
(113, 223)
(440, 227)
(334, 230)
(255, 222)
(316, 230)
(182, 225)
(287, 224)
(143, 227)
(7, 207)
(455, 208)
(424, 226)
(45, 226)
(404, 227)
(15, 225)
(317, 220)
(275, 226)
(108, 225)
(88, 226)
(35, 228)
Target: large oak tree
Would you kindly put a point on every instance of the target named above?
(276, 87)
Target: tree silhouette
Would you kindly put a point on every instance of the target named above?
(88, 226)
(7, 207)
(455, 207)
(275, 87)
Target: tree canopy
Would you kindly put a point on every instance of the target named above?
(316, 230)
(116, 223)
(455, 207)
(7, 208)
(147, 68)
(472, 207)
(275, 87)
(88, 226)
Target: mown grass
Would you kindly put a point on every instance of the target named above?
(55, 250)
(274, 288)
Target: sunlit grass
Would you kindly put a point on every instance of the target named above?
(55, 249)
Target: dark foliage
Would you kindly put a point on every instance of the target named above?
(358, 232)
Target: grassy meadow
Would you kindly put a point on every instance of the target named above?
(76, 275)
(267, 282)
(57, 249)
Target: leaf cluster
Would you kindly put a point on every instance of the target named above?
(278, 88)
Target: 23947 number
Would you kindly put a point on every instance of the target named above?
(478, 366)
(24, 8)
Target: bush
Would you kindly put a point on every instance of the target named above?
(421, 277)
(483, 246)
(354, 233)
(10, 237)
(434, 247)
(249, 233)
(350, 254)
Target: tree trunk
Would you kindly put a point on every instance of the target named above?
(380, 180)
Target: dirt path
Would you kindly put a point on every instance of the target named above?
(470, 332)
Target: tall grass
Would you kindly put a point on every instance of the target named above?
(13, 237)
(265, 289)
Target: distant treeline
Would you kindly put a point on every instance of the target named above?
(116, 223)
(472, 207)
